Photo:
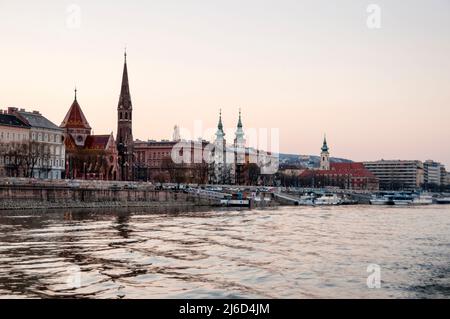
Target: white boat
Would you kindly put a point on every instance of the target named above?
(375, 200)
(328, 199)
(235, 202)
(306, 200)
(422, 199)
(402, 200)
(443, 200)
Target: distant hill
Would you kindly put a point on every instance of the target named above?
(309, 161)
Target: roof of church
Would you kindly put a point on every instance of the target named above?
(97, 142)
(75, 117)
(325, 145)
(93, 142)
(239, 125)
(125, 96)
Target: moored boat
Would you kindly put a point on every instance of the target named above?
(402, 199)
(422, 199)
(383, 199)
(328, 199)
(443, 200)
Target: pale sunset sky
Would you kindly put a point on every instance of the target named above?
(305, 67)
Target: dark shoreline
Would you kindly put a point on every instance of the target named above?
(24, 205)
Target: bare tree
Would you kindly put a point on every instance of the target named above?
(177, 172)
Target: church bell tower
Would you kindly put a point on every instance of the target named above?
(125, 128)
(325, 156)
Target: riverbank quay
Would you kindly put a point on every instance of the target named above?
(16, 194)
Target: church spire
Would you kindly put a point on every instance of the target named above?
(125, 96)
(75, 93)
(325, 145)
(325, 156)
(240, 120)
(220, 134)
(220, 125)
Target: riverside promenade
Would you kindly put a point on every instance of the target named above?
(22, 193)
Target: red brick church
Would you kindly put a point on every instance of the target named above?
(100, 157)
(88, 156)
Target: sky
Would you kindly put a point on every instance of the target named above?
(308, 68)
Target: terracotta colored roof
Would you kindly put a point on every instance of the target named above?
(340, 166)
(353, 169)
(97, 142)
(75, 118)
(69, 143)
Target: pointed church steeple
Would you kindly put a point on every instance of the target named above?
(239, 131)
(124, 140)
(125, 96)
(325, 145)
(75, 117)
(239, 125)
(220, 133)
(75, 124)
(220, 125)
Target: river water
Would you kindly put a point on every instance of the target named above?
(287, 252)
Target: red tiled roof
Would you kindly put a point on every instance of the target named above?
(93, 142)
(353, 169)
(69, 143)
(347, 166)
(75, 118)
(97, 142)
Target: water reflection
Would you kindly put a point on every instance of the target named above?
(283, 253)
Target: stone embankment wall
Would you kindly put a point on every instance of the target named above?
(26, 194)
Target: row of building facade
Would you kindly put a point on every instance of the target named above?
(371, 176)
(33, 146)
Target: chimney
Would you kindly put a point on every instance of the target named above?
(22, 110)
(36, 112)
(11, 110)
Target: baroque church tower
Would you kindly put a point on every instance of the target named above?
(325, 156)
(239, 149)
(220, 172)
(125, 128)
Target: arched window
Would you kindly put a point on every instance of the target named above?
(126, 116)
(120, 115)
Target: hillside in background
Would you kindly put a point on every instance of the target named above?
(309, 161)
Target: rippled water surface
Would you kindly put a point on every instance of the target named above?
(289, 252)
